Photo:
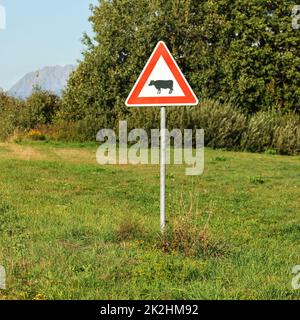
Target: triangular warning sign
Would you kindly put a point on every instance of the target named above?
(161, 83)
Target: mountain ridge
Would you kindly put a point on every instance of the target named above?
(50, 78)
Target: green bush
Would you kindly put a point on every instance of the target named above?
(271, 130)
(35, 135)
(64, 131)
(11, 116)
(260, 132)
(20, 116)
(189, 233)
(143, 118)
(224, 125)
(41, 108)
(287, 136)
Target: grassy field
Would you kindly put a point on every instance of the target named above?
(71, 229)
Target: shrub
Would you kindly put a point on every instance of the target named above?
(41, 108)
(11, 116)
(260, 133)
(189, 234)
(145, 118)
(271, 130)
(66, 131)
(224, 125)
(287, 137)
(184, 237)
(17, 115)
(36, 135)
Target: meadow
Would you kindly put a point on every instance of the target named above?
(72, 229)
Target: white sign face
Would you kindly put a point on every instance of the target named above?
(161, 83)
(161, 72)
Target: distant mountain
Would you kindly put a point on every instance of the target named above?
(53, 79)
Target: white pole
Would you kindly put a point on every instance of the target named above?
(163, 170)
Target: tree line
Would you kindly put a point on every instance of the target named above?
(240, 56)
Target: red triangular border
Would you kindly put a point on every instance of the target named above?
(189, 97)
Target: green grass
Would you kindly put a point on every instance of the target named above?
(71, 229)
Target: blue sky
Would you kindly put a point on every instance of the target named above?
(41, 33)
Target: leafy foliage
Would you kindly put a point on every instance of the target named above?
(18, 115)
(242, 51)
(11, 116)
(273, 130)
(241, 57)
(41, 107)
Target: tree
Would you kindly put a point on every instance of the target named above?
(41, 108)
(262, 63)
(10, 115)
(238, 50)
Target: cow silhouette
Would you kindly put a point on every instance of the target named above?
(163, 84)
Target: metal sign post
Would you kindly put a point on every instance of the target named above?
(163, 169)
(161, 84)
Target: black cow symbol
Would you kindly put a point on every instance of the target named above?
(163, 84)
